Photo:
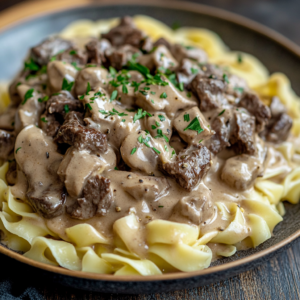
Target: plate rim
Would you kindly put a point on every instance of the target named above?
(178, 5)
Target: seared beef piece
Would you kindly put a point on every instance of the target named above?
(7, 143)
(222, 126)
(51, 124)
(180, 52)
(74, 115)
(162, 41)
(11, 174)
(57, 103)
(119, 57)
(243, 133)
(81, 137)
(279, 126)
(49, 202)
(125, 34)
(255, 106)
(194, 209)
(48, 48)
(96, 199)
(95, 50)
(73, 55)
(190, 166)
(209, 91)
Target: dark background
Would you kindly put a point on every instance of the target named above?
(276, 279)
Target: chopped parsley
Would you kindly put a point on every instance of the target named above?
(124, 89)
(161, 135)
(189, 94)
(225, 77)
(112, 113)
(152, 101)
(112, 71)
(176, 25)
(81, 97)
(173, 153)
(222, 112)
(116, 168)
(123, 120)
(66, 86)
(44, 120)
(66, 108)
(152, 93)
(88, 88)
(180, 86)
(44, 99)
(239, 89)
(160, 206)
(28, 95)
(156, 150)
(31, 65)
(73, 52)
(200, 141)
(194, 125)
(74, 64)
(138, 67)
(140, 114)
(133, 151)
(161, 117)
(91, 65)
(18, 149)
(135, 85)
(239, 58)
(98, 94)
(163, 95)
(87, 105)
(143, 93)
(157, 123)
(153, 127)
(114, 95)
(144, 140)
(166, 148)
(186, 117)
(194, 70)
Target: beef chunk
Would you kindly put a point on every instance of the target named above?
(7, 143)
(222, 126)
(125, 34)
(96, 199)
(210, 92)
(190, 166)
(63, 102)
(81, 137)
(194, 209)
(280, 124)
(119, 57)
(50, 125)
(255, 106)
(48, 48)
(48, 202)
(96, 49)
(243, 134)
(73, 56)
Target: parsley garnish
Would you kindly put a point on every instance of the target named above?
(91, 65)
(153, 127)
(124, 89)
(157, 151)
(123, 120)
(194, 70)
(81, 97)
(114, 95)
(74, 64)
(186, 117)
(133, 151)
(112, 71)
(161, 117)
(143, 93)
(44, 99)
(87, 105)
(189, 94)
(161, 135)
(222, 112)
(239, 58)
(138, 67)
(175, 25)
(28, 95)
(225, 77)
(194, 125)
(66, 108)
(166, 148)
(200, 141)
(180, 86)
(73, 52)
(116, 168)
(18, 149)
(140, 114)
(152, 93)
(44, 120)
(239, 89)
(163, 95)
(66, 86)
(32, 66)
(88, 88)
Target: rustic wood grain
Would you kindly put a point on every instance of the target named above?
(278, 278)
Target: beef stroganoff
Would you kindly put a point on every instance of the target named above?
(129, 148)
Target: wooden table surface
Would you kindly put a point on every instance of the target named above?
(278, 278)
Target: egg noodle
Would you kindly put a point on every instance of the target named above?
(171, 246)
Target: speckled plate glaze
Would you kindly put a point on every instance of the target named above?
(275, 51)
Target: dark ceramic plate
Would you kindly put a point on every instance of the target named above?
(277, 53)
